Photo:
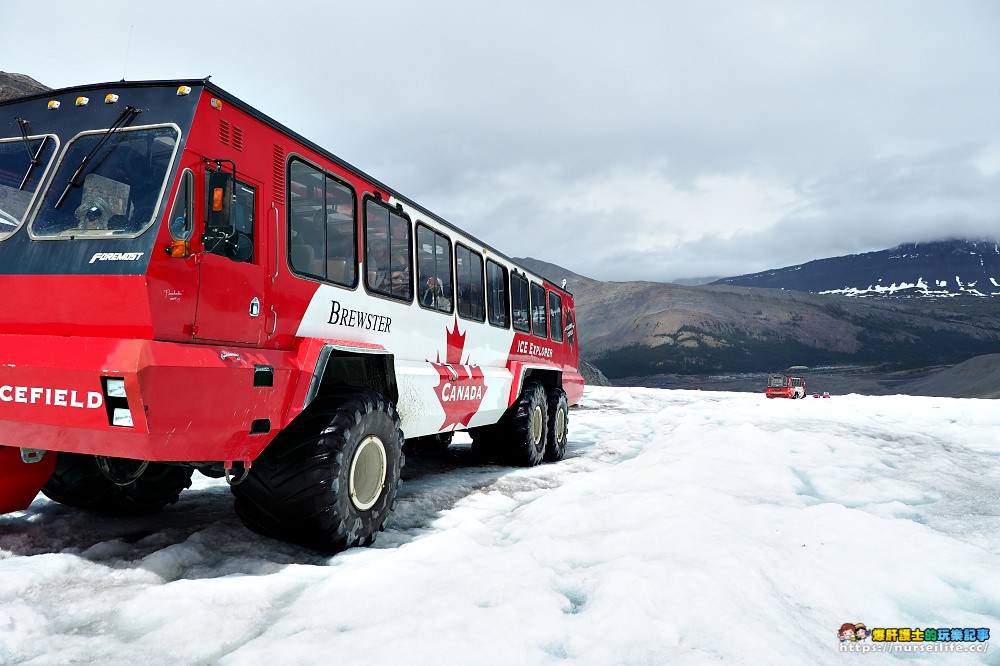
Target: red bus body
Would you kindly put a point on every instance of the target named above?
(143, 343)
(781, 386)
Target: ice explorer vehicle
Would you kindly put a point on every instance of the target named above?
(189, 285)
(783, 386)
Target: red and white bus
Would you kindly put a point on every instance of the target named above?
(189, 285)
(783, 386)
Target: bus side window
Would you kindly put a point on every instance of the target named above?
(322, 241)
(555, 316)
(519, 303)
(539, 321)
(433, 269)
(496, 294)
(244, 201)
(469, 281)
(388, 269)
(182, 213)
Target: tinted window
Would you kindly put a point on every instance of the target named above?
(323, 241)
(538, 314)
(433, 269)
(469, 282)
(107, 184)
(234, 239)
(387, 252)
(519, 303)
(555, 316)
(23, 163)
(496, 294)
(182, 213)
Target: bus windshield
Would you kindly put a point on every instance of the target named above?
(107, 185)
(23, 163)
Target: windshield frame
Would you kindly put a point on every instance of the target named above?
(42, 178)
(65, 168)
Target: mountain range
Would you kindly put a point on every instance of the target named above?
(941, 269)
(641, 329)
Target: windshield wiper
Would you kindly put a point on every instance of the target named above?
(35, 159)
(127, 116)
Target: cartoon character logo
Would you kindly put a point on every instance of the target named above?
(853, 632)
(462, 386)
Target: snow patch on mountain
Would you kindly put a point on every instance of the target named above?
(905, 271)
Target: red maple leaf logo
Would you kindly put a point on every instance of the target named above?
(462, 385)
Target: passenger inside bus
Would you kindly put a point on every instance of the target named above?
(387, 273)
(432, 290)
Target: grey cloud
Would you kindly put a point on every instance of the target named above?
(595, 135)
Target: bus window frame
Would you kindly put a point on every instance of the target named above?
(291, 219)
(42, 178)
(184, 198)
(551, 314)
(450, 291)
(522, 280)
(506, 295)
(482, 284)
(532, 288)
(400, 213)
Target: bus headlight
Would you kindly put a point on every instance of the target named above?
(122, 417)
(116, 387)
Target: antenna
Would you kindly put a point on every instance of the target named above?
(128, 46)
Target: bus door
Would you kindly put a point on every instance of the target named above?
(231, 299)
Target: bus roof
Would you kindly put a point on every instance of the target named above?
(229, 98)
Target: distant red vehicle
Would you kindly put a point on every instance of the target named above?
(782, 386)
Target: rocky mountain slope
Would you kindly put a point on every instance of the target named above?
(18, 85)
(632, 329)
(940, 269)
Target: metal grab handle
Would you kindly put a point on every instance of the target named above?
(277, 231)
(275, 327)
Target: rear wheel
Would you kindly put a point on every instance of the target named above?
(115, 486)
(329, 480)
(523, 429)
(558, 425)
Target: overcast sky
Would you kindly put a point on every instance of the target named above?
(653, 139)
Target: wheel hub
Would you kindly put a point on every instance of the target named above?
(560, 425)
(368, 472)
(536, 425)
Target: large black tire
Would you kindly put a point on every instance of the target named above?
(523, 429)
(329, 480)
(485, 442)
(558, 425)
(78, 481)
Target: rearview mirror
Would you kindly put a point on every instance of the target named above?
(220, 199)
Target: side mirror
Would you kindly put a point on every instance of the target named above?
(220, 209)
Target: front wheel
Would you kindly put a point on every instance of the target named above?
(329, 480)
(115, 486)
